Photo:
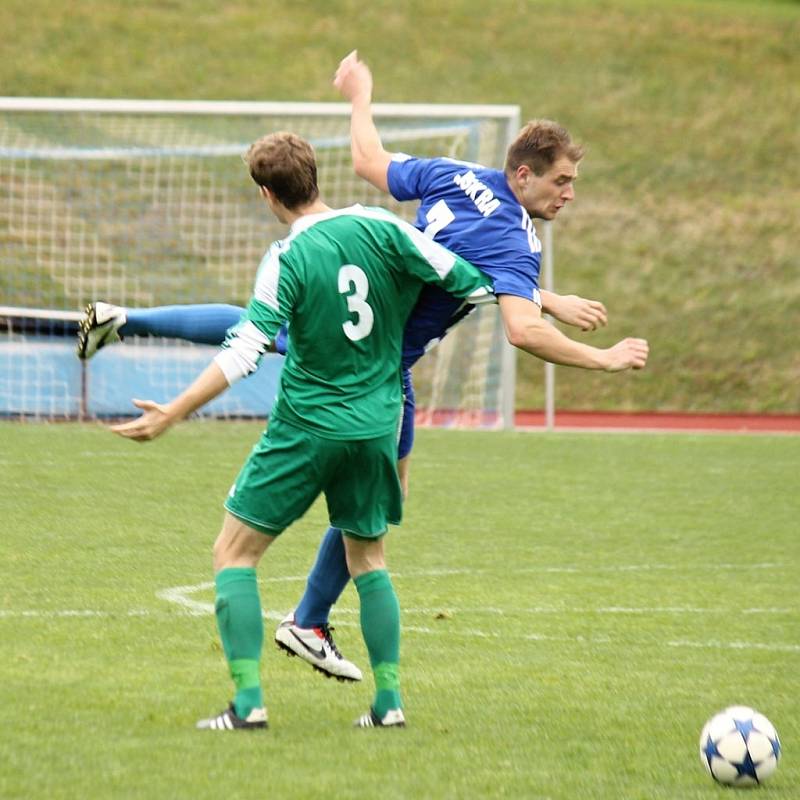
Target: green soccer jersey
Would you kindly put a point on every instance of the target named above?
(346, 281)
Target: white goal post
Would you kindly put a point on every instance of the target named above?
(146, 202)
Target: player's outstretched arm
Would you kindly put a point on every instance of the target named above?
(588, 315)
(526, 329)
(158, 417)
(370, 161)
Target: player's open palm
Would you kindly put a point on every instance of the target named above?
(150, 425)
(630, 353)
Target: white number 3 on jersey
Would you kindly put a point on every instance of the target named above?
(353, 278)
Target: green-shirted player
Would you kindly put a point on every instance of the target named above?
(346, 280)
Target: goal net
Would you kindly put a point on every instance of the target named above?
(147, 203)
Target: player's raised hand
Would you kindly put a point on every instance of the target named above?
(155, 420)
(353, 79)
(628, 354)
(588, 315)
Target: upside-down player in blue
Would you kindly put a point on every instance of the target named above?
(484, 215)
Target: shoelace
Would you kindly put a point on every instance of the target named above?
(326, 632)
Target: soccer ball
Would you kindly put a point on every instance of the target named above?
(739, 747)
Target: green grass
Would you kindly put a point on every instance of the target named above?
(574, 606)
(685, 223)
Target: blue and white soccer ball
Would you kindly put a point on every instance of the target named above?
(739, 747)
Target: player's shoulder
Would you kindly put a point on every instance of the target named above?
(443, 164)
(347, 224)
(333, 219)
(359, 215)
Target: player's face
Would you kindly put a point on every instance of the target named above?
(543, 196)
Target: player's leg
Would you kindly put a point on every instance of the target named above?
(380, 627)
(329, 575)
(104, 324)
(325, 582)
(363, 498)
(405, 441)
(202, 324)
(277, 484)
(237, 551)
(305, 632)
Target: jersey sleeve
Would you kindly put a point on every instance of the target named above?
(430, 262)
(409, 177)
(519, 276)
(269, 309)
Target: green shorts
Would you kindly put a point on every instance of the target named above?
(289, 467)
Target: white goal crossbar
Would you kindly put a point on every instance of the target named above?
(260, 108)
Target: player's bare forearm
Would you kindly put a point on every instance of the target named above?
(210, 383)
(588, 315)
(370, 161)
(158, 417)
(526, 330)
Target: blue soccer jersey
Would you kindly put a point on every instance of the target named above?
(472, 211)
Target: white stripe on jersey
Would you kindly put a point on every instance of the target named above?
(244, 351)
(481, 296)
(269, 273)
(440, 258)
(527, 226)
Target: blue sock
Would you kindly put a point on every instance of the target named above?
(202, 324)
(326, 582)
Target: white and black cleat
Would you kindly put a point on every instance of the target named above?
(99, 326)
(229, 721)
(316, 646)
(393, 718)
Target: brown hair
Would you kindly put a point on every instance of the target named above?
(539, 144)
(285, 164)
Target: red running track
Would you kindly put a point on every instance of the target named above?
(641, 420)
(631, 421)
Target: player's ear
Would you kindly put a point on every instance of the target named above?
(523, 174)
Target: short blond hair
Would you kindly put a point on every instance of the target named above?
(539, 145)
(285, 164)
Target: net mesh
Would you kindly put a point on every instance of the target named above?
(156, 209)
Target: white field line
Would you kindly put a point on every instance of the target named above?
(180, 595)
(194, 608)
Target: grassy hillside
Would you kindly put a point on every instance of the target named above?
(686, 220)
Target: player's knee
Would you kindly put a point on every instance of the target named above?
(364, 556)
(238, 545)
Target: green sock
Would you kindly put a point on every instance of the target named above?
(241, 628)
(380, 626)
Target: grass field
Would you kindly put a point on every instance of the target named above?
(575, 606)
